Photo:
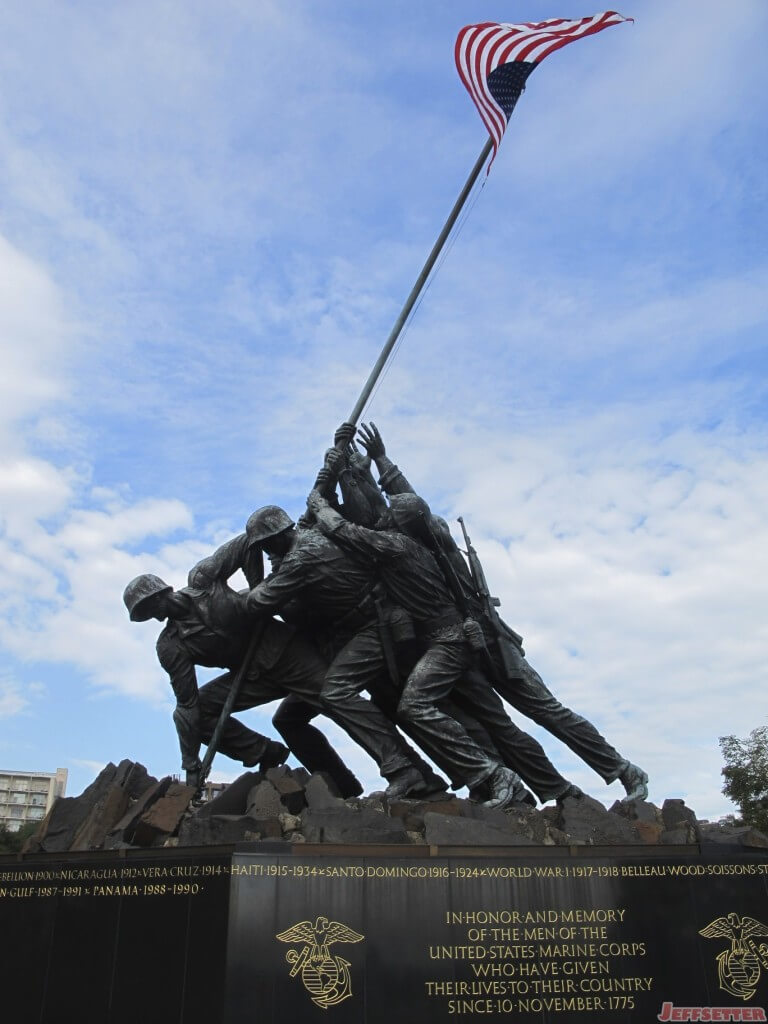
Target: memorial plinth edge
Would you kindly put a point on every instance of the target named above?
(713, 851)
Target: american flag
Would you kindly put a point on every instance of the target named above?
(495, 60)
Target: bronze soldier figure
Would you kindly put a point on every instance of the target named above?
(208, 624)
(318, 587)
(413, 582)
(514, 678)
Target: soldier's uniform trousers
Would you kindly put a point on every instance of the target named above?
(299, 670)
(360, 664)
(438, 672)
(525, 690)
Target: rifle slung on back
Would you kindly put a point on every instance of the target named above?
(502, 632)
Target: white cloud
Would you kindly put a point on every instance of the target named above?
(61, 595)
(636, 573)
(35, 337)
(13, 699)
(92, 766)
(64, 548)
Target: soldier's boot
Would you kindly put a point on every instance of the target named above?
(275, 754)
(635, 782)
(347, 784)
(432, 784)
(505, 788)
(268, 757)
(480, 793)
(570, 791)
(407, 782)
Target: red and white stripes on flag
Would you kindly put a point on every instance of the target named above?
(484, 52)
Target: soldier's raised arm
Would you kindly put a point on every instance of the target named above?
(359, 539)
(361, 500)
(238, 553)
(391, 479)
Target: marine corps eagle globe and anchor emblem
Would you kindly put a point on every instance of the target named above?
(739, 968)
(325, 977)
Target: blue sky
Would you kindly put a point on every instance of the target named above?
(209, 218)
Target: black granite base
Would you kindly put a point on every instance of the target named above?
(268, 933)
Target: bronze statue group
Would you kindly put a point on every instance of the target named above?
(372, 617)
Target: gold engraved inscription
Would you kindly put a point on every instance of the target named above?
(126, 880)
(547, 960)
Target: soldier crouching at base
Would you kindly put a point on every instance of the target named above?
(318, 586)
(208, 625)
(513, 677)
(414, 582)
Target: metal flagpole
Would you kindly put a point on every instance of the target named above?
(419, 285)
(229, 703)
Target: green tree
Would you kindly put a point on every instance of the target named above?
(746, 775)
(12, 842)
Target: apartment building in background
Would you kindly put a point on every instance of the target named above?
(211, 790)
(28, 796)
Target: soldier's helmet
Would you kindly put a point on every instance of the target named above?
(411, 513)
(267, 522)
(442, 531)
(138, 593)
